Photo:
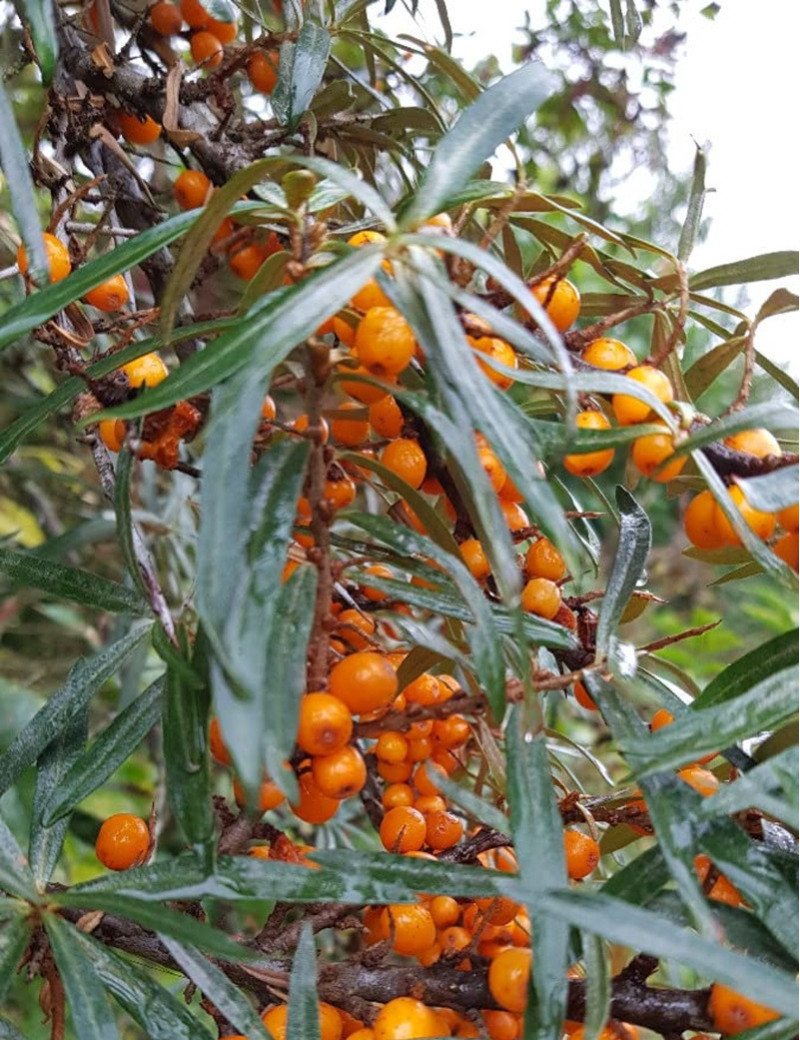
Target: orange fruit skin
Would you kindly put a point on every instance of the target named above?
(787, 548)
(384, 341)
(590, 463)
(123, 841)
(789, 519)
(702, 780)
(225, 32)
(630, 410)
(661, 719)
(403, 829)
(542, 597)
(365, 681)
(649, 452)
(405, 458)
(443, 830)
(262, 71)
(733, 1013)
(699, 522)
(761, 524)
(147, 370)
(191, 189)
(58, 261)
(194, 14)
(166, 18)
(509, 973)
(386, 418)
(112, 433)
(216, 744)
(313, 806)
(325, 724)
(350, 432)
(758, 442)
(206, 48)
(543, 560)
(110, 295)
(497, 350)
(582, 854)
(136, 130)
(609, 354)
(414, 930)
(341, 774)
(583, 698)
(270, 795)
(406, 1018)
(475, 558)
(564, 305)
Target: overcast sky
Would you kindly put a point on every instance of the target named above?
(736, 88)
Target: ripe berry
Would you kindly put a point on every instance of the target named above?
(564, 303)
(206, 48)
(391, 747)
(194, 14)
(761, 524)
(109, 295)
(661, 719)
(649, 452)
(386, 418)
(475, 558)
(403, 829)
(732, 1012)
(445, 911)
(123, 842)
(225, 32)
(341, 774)
(699, 522)
(384, 341)
(787, 548)
(165, 18)
(138, 130)
(350, 432)
(702, 780)
(541, 597)
(58, 260)
(112, 433)
(270, 795)
(630, 410)
(406, 459)
(758, 442)
(325, 724)
(365, 681)
(501, 1025)
(493, 468)
(497, 350)
(397, 796)
(406, 1018)
(543, 560)
(262, 71)
(330, 1021)
(582, 854)
(148, 370)
(191, 189)
(509, 974)
(609, 354)
(583, 698)
(514, 515)
(590, 463)
(411, 928)
(313, 806)
(217, 746)
(788, 519)
(443, 830)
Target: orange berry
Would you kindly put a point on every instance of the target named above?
(379, 571)
(563, 305)
(609, 354)
(371, 294)
(112, 433)
(699, 522)
(339, 494)
(406, 1018)
(268, 408)
(58, 261)
(148, 370)
(493, 468)
(110, 295)
(300, 425)
(384, 341)
(430, 803)
(365, 681)
(788, 519)
(702, 780)
(761, 524)
(191, 189)
(541, 597)
(138, 130)
(217, 746)
(366, 393)
(224, 231)
(355, 629)
(454, 939)
(411, 928)
(498, 350)
(406, 459)
(403, 830)
(395, 773)
(590, 463)
(397, 796)
(497, 910)
(341, 774)
(649, 452)
(787, 549)
(501, 1025)
(452, 732)
(123, 841)
(443, 830)
(225, 32)
(313, 806)
(445, 911)
(582, 854)
(363, 238)
(350, 432)
(661, 719)
(732, 1012)
(758, 442)
(325, 724)
(386, 418)
(514, 515)
(391, 747)
(509, 974)
(543, 560)
(330, 1022)
(425, 777)
(475, 558)
(194, 14)
(270, 795)
(426, 690)
(245, 262)
(262, 71)
(166, 18)
(583, 698)
(630, 410)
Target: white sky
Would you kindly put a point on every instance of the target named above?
(736, 87)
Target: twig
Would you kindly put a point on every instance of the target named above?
(578, 339)
(747, 375)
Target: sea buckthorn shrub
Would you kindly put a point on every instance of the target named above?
(355, 691)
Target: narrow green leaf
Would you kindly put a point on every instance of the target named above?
(617, 21)
(180, 926)
(127, 535)
(15, 874)
(471, 803)
(32, 571)
(773, 415)
(640, 929)
(481, 129)
(39, 16)
(161, 1015)
(539, 842)
(90, 1010)
(598, 985)
(51, 767)
(780, 1029)
(755, 269)
(85, 678)
(772, 491)
(771, 787)
(303, 1023)
(640, 881)
(754, 667)
(15, 934)
(635, 536)
(694, 210)
(215, 985)
(302, 66)
(14, 163)
(113, 747)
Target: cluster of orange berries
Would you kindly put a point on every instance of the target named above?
(111, 295)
